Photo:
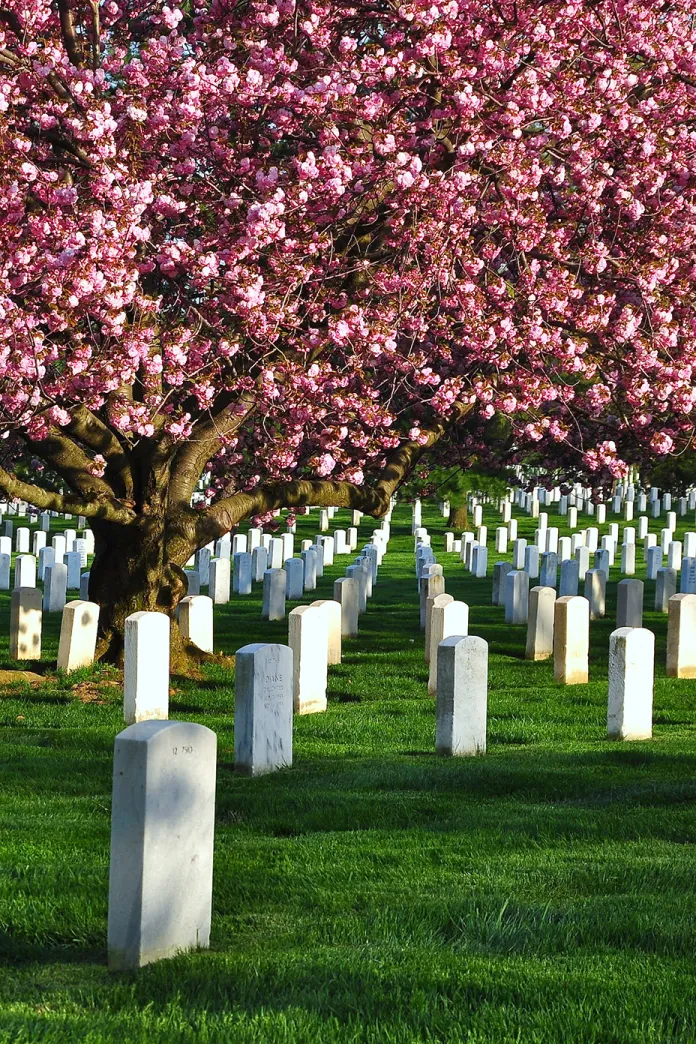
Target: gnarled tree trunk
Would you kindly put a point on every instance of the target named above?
(137, 567)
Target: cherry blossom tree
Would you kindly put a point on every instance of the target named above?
(299, 242)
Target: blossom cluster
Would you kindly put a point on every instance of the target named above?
(354, 215)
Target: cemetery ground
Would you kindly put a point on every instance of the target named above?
(373, 892)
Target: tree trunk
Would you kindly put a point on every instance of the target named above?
(132, 571)
(459, 518)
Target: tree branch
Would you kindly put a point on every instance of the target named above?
(47, 500)
(88, 429)
(372, 500)
(205, 441)
(67, 25)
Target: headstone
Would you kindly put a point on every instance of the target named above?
(241, 580)
(570, 578)
(565, 549)
(309, 559)
(596, 592)
(22, 540)
(55, 588)
(462, 696)
(447, 619)
(59, 548)
(193, 581)
(681, 636)
(629, 603)
(500, 572)
(73, 561)
(239, 545)
(294, 582)
(628, 559)
(219, 580)
(370, 552)
(654, 562)
(263, 709)
(357, 573)
(571, 640)
(501, 540)
(5, 563)
(275, 556)
(45, 521)
(688, 576)
(223, 548)
(46, 558)
(346, 591)
(601, 561)
(430, 586)
(479, 561)
(254, 538)
(674, 555)
(84, 587)
(582, 557)
(327, 544)
(162, 825)
(631, 672)
(319, 552)
(146, 667)
(78, 635)
(259, 563)
(341, 546)
(332, 613)
(308, 639)
(202, 565)
(196, 621)
(438, 600)
(516, 597)
(518, 553)
(25, 571)
(540, 623)
(274, 583)
(548, 573)
(25, 624)
(665, 587)
(531, 561)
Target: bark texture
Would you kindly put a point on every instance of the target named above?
(459, 518)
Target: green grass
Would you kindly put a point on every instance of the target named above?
(373, 892)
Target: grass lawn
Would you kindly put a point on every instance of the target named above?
(374, 892)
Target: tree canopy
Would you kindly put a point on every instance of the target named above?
(302, 239)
